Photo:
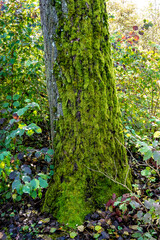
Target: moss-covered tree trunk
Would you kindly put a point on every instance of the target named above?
(89, 133)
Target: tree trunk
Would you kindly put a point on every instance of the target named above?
(89, 132)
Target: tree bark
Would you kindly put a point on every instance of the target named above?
(89, 133)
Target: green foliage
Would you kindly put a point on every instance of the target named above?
(21, 60)
(17, 178)
(137, 74)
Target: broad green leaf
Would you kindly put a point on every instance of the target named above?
(26, 189)
(34, 183)
(148, 155)
(16, 104)
(155, 143)
(156, 156)
(33, 194)
(9, 97)
(16, 97)
(26, 169)
(21, 111)
(26, 179)
(50, 152)
(16, 185)
(144, 149)
(43, 183)
(5, 105)
(47, 158)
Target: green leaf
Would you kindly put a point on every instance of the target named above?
(42, 175)
(147, 155)
(5, 105)
(34, 183)
(8, 195)
(9, 97)
(52, 167)
(16, 104)
(136, 235)
(155, 143)
(97, 228)
(50, 152)
(26, 189)
(27, 100)
(21, 111)
(43, 183)
(38, 130)
(73, 234)
(33, 194)
(30, 132)
(144, 149)
(16, 185)
(52, 230)
(26, 179)
(146, 173)
(16, 97)
(156, 156)
(47, 158)
(96, 235)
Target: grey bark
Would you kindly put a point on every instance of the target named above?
(49, 22)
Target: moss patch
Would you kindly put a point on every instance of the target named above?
(90, 132)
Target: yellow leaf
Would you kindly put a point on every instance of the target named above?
(128, 135)
(2, 165)
(157, 134)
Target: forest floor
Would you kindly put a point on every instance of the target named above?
(118, 219)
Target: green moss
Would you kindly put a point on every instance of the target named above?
(89, 135)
